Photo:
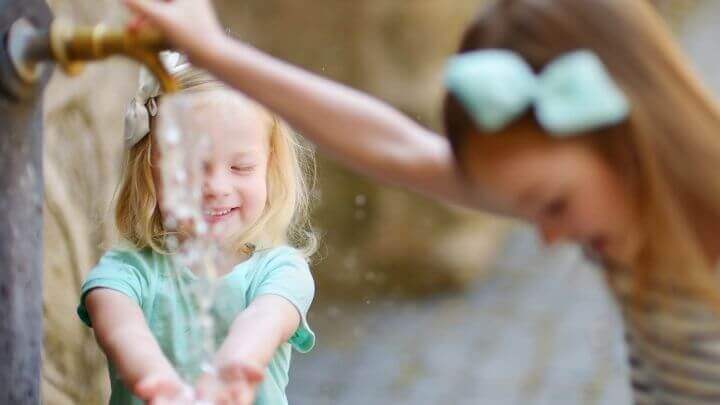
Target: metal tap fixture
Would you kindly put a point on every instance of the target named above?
(70, 47)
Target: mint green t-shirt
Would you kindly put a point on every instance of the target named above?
(147, 277)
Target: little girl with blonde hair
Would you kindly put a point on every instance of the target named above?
(255, 202)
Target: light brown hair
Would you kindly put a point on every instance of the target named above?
(669, 148)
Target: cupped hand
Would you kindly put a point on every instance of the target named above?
(234, 384)
(164, 388)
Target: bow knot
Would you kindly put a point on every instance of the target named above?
(572, 95)
(143, 105)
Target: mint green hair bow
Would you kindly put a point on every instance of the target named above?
(573, 94)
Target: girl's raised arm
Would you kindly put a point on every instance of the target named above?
(361, 132)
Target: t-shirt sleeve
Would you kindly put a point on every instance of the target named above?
(287, 274)
(116, 272)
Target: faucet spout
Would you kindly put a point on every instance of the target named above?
(71, 47)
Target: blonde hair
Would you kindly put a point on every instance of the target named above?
(668, 150)
(290, 178)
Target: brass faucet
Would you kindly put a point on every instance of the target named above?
(71, 47)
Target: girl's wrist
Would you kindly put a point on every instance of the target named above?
(158, 371)
(211, 49)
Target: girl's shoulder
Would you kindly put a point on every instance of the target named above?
(123, 256)
(276, 263)
(283, 255)
(280, 251)
(283, 271)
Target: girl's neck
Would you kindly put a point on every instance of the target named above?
(229, 259)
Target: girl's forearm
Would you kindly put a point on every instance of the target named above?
(256, 347)
(364, 133)
(125, 338)
(136, 355)
(257, 332)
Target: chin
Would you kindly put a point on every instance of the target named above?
(229, 232)
(607, 259)
(225, 231)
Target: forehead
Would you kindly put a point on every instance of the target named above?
(508, 169)
(233, 121)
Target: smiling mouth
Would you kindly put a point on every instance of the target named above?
(213, 215)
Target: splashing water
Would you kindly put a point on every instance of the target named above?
(184, 148)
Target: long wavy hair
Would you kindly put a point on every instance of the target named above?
(668, 150)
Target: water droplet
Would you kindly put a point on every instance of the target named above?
(172, 136)
(181, 175)
(170, 223)
(172, 243)
(350, 262)
(201, 227)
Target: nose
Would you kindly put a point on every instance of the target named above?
(215, 183)
(551, 233)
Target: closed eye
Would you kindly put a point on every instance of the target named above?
(242, 168)
(555, 209)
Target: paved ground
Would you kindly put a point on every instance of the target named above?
(699, 36)
(542, 330)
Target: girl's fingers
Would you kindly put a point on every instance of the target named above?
(239, 394)
(137, 23)
(147, 387)
(205, 386)
(146, 8)
(158, 386)
(232, 372)
(222, 399)
(165, 401)
(253, 374)
(250, 372)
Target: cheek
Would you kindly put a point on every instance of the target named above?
(606, 206)
(593, 214)
(253, 192)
